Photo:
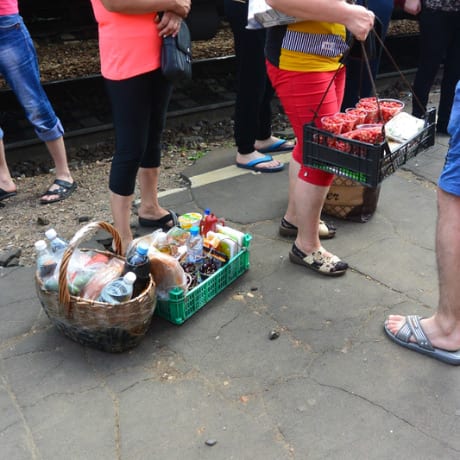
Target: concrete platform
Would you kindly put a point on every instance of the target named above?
(332, 386)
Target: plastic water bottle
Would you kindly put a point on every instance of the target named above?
(119, 290)
(139, 263)
(195, 246)
(56, 243)
(46, 260)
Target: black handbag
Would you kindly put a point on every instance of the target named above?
(176, 55)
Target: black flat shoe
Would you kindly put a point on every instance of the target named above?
(160, 223)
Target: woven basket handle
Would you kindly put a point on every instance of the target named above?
(64, 294)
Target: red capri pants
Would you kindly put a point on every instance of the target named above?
(300, 94)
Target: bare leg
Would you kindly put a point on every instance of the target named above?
(121, 213)
(6, 182)
(148, 183)
(58, 153)
(309, 201)
(290, 214)
(443, 328)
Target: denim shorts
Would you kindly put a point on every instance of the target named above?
(449, 180)
(19, 67)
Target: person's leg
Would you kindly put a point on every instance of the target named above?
(19, 66)
(300, 94)
(150, 167)
(443, 328)
(451, 70)
(6, 182)
(432, 53)
(251, 79)
(130, 101)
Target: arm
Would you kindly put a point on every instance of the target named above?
(357, 19)
(179, 7)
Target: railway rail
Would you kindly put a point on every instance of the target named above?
(82, 104)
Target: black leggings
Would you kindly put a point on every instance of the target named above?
(139, 108)
(439, 43)
(254, 92)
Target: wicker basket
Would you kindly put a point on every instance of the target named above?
(112, 328)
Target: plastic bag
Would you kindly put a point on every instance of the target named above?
(167, 273)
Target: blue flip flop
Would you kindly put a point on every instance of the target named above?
(252, 165)
(412, 327)
(278, 146)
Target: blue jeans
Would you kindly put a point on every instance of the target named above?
(19, 67)
(449, 180)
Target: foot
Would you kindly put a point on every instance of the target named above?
(7, 188)
(161, 218)
(273, 144)
(437, 335)
(325, 230)
(318, 260)
(59, 190)
(250, 157)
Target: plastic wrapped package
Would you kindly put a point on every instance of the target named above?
(167, 273)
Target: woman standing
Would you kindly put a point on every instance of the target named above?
(439, 22)
(302, 60)
(130, 38)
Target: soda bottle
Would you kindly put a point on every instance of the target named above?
(46, 260)
(56, 243)
(119, 290)
(195, 246)
(208, 223)
(139, 264)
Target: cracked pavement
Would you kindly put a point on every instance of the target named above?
(330, 386)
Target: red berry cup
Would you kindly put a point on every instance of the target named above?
(389, 108)
(332, 124)
(360, 115)
(371, 110)
(348, 121)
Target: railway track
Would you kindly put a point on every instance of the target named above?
(83, 107)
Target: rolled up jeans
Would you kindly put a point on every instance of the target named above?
(19, 67)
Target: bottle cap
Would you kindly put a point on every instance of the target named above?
(40, 245)
(194, 231)
(51, 233)
(129, 277)
(142, 248)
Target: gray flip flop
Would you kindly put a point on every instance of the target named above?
(412, 327)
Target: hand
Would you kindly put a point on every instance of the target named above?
(413, 6)
(181, 8)
(360, 22)
(169, 24)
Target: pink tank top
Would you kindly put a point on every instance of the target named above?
(129, 44)
(8, 7)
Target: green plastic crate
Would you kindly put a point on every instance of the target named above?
(180, 306)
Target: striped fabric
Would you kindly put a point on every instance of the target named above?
(319, 44)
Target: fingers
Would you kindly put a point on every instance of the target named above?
(169, 26)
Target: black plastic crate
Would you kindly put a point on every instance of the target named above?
(365, 163)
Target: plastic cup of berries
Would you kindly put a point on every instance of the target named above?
(348, 121)
(359, 114)
(390, 107)
(371, 109)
